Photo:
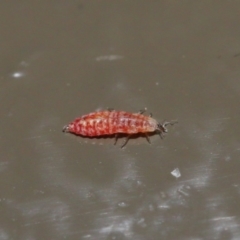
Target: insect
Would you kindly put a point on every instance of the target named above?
(111, 122)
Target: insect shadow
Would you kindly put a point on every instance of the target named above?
(121, 136)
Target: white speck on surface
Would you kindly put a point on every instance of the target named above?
(139, 183)
(163, 206)
(18, 74)
(109, 58)
(123, 226)
(87, 236)
(142, 222)
(122, 204)
(184, 190)
(227, 158)
(176, 173)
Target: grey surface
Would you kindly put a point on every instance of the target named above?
(62, 59)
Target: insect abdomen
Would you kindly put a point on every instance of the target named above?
(114, 122)
(107, 123)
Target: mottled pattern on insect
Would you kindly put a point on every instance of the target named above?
(113, 122)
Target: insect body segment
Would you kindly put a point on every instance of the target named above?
(115, 122)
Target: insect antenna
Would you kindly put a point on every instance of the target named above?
(142, 111)
(162, 127)
(169, 123)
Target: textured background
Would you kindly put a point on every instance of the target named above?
(61, 59)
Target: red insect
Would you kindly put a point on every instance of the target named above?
(116, 122)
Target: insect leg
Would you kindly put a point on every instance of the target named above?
(116, 138)
(148, 139)
(142, 111)
(161, 134)
(126, 141)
